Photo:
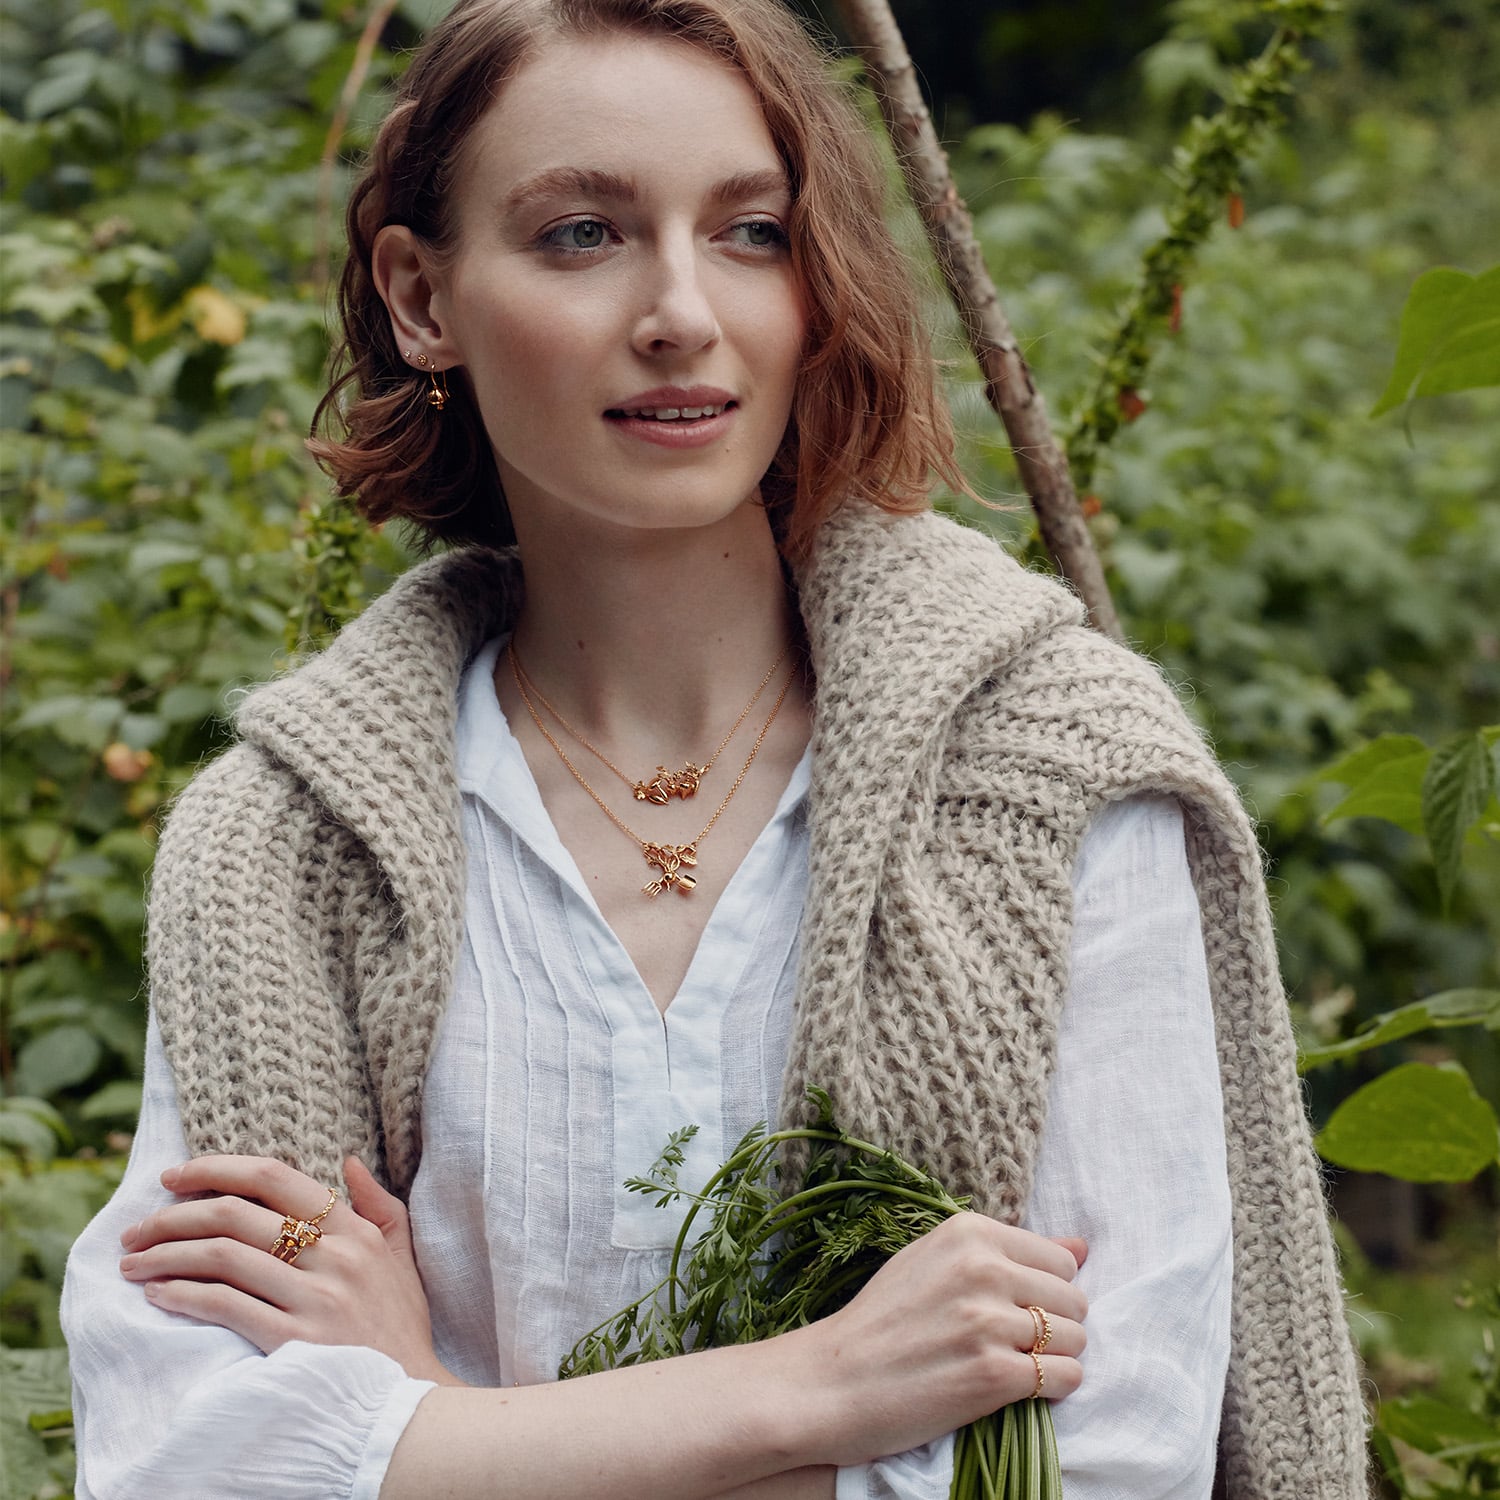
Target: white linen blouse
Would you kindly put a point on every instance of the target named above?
(555, 1077)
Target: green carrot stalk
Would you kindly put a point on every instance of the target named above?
(768, 1262)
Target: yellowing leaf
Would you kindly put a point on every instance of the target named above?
(147, 322)
(215, 316)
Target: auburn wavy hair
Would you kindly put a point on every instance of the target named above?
(868, 422)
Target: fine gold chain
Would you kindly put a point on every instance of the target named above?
(665, 785)
(667, 859)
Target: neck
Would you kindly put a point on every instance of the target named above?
(659, 636)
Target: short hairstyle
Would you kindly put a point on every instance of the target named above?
(869, 421)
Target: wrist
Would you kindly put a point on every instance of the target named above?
(431, 1368)
(800, 1418)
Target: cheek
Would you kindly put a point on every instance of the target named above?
(782, 333)
(511, 348)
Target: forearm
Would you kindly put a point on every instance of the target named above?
(817, 1482)
(724, 1421)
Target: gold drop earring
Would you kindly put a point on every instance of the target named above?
(437, 389)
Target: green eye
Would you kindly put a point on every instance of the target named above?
(581, 234)
(762, 234)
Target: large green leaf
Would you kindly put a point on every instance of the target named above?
(1433, 1426)
(1417, 1122)
(1450, 1008)
(1359, 765)
(1456, 788)
(1392, 791)
(1450, 337)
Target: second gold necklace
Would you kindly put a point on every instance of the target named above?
(670, 861)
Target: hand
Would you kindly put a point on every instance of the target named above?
(939, 1337)
(358, 1284)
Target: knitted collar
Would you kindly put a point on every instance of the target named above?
(942, 603)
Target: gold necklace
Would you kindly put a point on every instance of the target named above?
(667, 860)
(665, 784)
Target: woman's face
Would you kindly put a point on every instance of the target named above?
(622, 298)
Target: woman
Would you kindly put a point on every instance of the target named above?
(620, 292)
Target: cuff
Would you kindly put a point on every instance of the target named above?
(924, 1473)
(390, 1423)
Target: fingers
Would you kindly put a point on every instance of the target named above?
(215, 1302)
(206, 1218)
(1075, 1247)
(1060, 1376)
(242, 1267)
(1037, 1288)
(281, 1188)
(1000, 1260)
(1055, 1257)
(1068, 1337)
(371, 1202)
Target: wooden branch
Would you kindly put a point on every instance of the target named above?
(1008, 382)
(364, 52)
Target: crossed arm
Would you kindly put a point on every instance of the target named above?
(934, 1341)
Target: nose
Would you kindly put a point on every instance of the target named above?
(677, 314)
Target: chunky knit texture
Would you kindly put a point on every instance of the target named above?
(307, 905)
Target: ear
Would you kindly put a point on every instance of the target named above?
(399, 268)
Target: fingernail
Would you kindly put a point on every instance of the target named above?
(153, 1289)
(127, 1237)
(129, 1262)
(170, 1176)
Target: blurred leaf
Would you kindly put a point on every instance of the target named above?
(1450, 337)
(1456, 788)
(32, 1381)
(69, 76)
(1431, 1426)
(1450, 1008)
(57, 1059)
(1417, 1122)
(26, 1135)
(120, 1100)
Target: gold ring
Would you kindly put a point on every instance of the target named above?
(1042, 1325)
(1036, 1327)
(333, 1197)
(296, 1235)
(1041, 1379)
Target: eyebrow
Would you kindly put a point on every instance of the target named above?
(768, 183)
(586, 182)
(557, 182)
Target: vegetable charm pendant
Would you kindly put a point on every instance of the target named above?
(669, 859)
(668, 784)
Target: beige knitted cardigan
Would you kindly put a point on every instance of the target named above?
(307, 904)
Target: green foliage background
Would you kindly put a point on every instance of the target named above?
(1312, 576)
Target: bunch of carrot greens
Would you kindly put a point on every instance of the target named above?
(769, 1261)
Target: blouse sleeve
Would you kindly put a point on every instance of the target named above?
(1132, 1159)
(170, 1407)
